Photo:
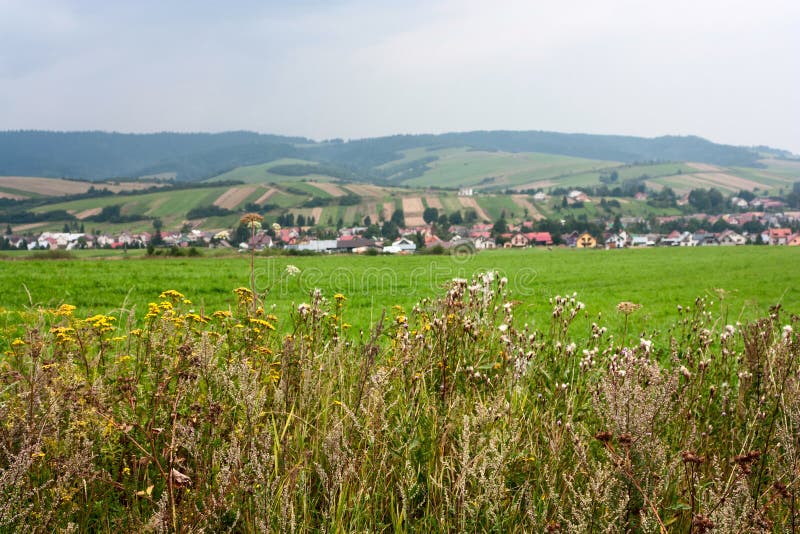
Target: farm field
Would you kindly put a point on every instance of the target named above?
(753, 279)
(261, 174)
(460, 167)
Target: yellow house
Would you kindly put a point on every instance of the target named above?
(585, 240)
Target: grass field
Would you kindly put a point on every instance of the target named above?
(459, 167)
(261, 174)
(753, 278)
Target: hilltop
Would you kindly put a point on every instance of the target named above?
(396, 159)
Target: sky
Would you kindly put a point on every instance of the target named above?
(726, 70)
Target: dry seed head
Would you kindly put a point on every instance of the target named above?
(691, 458)
(627, 308)
(249, 219)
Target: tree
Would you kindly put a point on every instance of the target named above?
(617, 226)
(301, 220)
(8, 230)
(456, 218)
(500, 227)
(390, 231)
(430, 215)
(372, 231)
(241, 235)
(399, 218)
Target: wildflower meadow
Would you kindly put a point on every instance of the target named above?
(453, 413)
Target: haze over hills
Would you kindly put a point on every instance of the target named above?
(200, 156)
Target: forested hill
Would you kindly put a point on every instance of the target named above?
(196, 156)
(100, 155)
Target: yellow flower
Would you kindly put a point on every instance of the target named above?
(262, 322)
(172, 295)
(244, 294)
(196, 317)
(221, 314)
(65, 310)
(339, 297)
(152, 311)
(18, 343)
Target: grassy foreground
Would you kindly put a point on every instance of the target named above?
(448, 415)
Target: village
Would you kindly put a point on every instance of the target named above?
(749, 228)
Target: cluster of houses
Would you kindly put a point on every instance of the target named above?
(479, 236)
(771, 236)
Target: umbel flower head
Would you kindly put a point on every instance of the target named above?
(252, 221)
(627, 307)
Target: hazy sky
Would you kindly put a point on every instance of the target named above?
(726, 70)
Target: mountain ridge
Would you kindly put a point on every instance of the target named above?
(98, 155)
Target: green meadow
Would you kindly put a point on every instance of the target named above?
(749, 280)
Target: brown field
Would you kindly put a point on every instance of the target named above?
(87, 213)
(412, 210)
(235, 196)
(388, 210)
(44, 186)
(365, 190)
(316, 213)
(469, 202)
(372, 212)
(126, 186)
(11, 196)
(29, 226)
(329, 188)
(704, 167)
(433, 202)
(263, 198)
(58, 187)
(718, 179)
(523, 202)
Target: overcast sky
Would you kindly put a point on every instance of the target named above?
(726, 70)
